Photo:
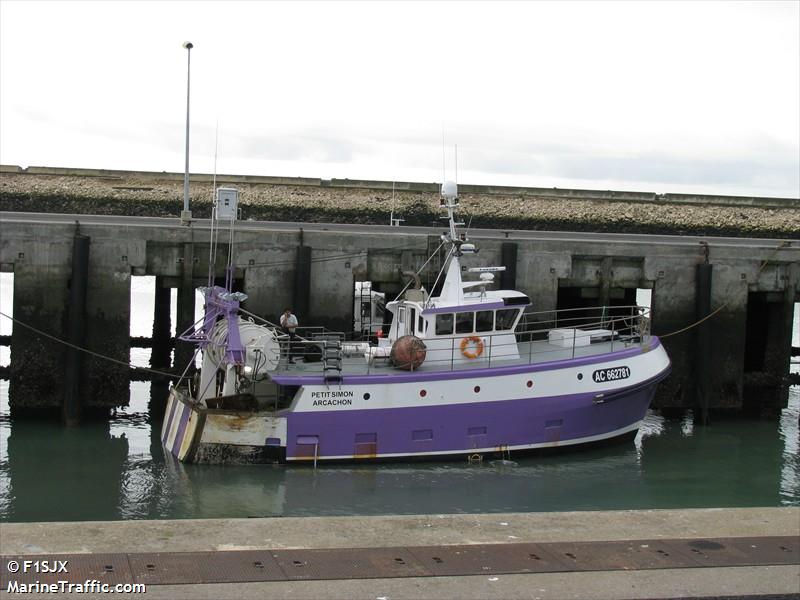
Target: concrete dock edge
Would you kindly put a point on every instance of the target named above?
(419, 530)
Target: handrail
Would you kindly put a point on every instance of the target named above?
(627, 324)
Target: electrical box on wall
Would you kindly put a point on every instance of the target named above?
(227, 203)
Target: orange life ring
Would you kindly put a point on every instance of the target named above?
(478, 346)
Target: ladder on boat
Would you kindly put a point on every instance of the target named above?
(365, 310)
(332, 361)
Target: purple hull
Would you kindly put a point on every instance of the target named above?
(463, 428)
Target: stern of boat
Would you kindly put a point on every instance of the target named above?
(182, 427)
(221, 435)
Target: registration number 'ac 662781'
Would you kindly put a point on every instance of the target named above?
(611, 374)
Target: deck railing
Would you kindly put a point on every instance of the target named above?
(538, 337)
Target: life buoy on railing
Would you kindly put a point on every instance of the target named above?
(478, 346)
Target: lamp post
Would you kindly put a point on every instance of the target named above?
(186, 214)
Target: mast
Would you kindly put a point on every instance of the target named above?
(452, 291)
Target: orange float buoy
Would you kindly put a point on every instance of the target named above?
(473, 339)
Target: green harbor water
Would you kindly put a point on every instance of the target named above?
(118, 470)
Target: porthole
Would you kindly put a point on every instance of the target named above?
(423, 393)
(477, 389)
(580, 376)
(530, 383)
(366, 396)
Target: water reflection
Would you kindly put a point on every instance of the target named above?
(790, 436)
(73, 473)
(119, 471)
(534, 485)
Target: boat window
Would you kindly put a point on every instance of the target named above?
(444, 324)
(421, 325)
(484, 320)
(464, 322)
(506, 318)
(412, 319)
(401, 315)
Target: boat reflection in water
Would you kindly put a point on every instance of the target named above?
(94, 472)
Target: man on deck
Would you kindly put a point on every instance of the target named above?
(289, 324)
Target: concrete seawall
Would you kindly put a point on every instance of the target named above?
(753, 289)
(96, 191)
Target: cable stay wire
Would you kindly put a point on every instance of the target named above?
(87, 351)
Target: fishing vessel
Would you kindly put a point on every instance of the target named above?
(463, 371)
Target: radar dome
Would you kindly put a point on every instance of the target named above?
(450, 190)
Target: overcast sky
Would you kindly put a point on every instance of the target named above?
(661, 97)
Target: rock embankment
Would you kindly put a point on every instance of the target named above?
(162, 195)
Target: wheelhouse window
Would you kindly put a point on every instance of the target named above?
(505, 318)
(421, 325)
(444, 324)
(464, 322)
(484, 320)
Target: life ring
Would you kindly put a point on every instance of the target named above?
(478, 346)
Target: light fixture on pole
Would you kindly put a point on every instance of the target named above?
(186, 214)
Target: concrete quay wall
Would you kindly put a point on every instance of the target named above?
(753, 288)
(97, 191)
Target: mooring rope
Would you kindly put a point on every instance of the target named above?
(784, 244)
(87, 351)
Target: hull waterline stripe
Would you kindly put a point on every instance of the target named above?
(584, 440)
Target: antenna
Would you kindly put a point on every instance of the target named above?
(391, 213)
(186, 214)
(466, 232)
(456, 159)
(444, 173)
(216, 145)
(212, 256)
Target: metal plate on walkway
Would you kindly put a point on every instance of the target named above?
(614, 556)
(769, 550)
(375, 563)
(349, 563)
(480, 559)
(204, 567)
(736, 552)
(105, 568)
